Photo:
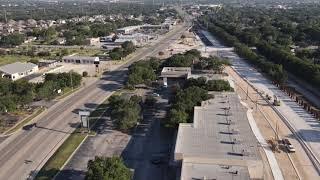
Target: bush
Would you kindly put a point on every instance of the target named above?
(84, 74)
(107, 168)
(125, 113)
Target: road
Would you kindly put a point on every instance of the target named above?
(24, 153)
(154, 143)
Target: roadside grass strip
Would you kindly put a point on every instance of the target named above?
(25, 121)
(62, 155)
(58, 159)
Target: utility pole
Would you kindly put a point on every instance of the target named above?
(70, 72)
(5, 16)
(247, 92)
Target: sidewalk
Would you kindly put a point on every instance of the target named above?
(270, 156)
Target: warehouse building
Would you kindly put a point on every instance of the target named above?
(219, 144)
(80, 60)
(18, 70)
(128, 29)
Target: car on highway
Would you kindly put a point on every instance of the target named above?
(288, 145)
(29, 126)
(155, 94)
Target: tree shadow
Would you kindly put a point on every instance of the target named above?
(70, 174)
(308, 135)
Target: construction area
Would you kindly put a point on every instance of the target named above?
(219, 143)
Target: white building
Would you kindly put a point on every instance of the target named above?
(17, 70)
(128, 30)
(80, 60)
(92, 41)
(137, 39)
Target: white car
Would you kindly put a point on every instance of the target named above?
(155, 94)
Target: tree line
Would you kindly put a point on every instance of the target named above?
(282, 38)
(274, 71)
(17, 94)
(120, 52)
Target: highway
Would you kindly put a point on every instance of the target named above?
(23, 154)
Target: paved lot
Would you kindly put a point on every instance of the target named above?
(107, 142)
(151, 141)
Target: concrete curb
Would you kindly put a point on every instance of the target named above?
(32, 120)
(274, 166)
(70, 157)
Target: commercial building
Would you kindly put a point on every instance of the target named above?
(18, 70)
(92, 41)
(128, 30)
(219, 144)
(175, 74)
(119, 42)
(80, 60)
(47, 63)
(137, 39)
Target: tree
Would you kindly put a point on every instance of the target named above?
(7, 103)
(116, 54)
(125, 113)
(128, 47)
(107, 168)
(177, 116)
(150, 100)
(34, 61)
(183, 105)
(47, 90)
(142, 72)
(84, 74)
(11, 40)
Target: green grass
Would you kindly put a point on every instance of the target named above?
(25, 121)
(85, 52)
(57, 160)
(53, 165)
(66, 92)
(8, 59)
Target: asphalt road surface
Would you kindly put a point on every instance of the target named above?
(23, 154)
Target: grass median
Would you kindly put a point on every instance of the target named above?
(57, 160)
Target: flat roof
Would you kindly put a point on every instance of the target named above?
(204, 171)
(81, 58)
(213, 134)
(128, 28)
(17, 67)
(220, 135)
(175, 71)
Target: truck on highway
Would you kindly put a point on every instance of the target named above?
(276, 101)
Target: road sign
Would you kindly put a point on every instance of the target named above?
(84, 118)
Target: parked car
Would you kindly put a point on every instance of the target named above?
(288, 145)
(155, 94)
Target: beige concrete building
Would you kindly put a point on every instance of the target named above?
(17, 70)
(219, 144)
